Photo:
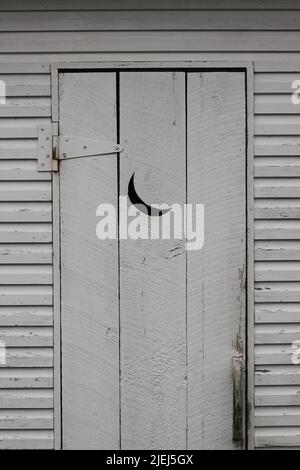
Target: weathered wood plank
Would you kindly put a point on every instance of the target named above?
(25, 212)
(153, 272)
(277, 145)
(26, 378)
(275, 104)
(277, 334)
(149, 20)
(24, 68)
(27, 89)
(25, 233)
(280, 167)
(26, 419)
(18, 132)
(25, 253)
(90, 323)
(278, 83)
(25, 190)
(277, 209)
(277, 396)
(25, 274)
(277, 250)
(279, 437)
(25, 111)
(21, 170)
(274, 354)
(26, 295)
(18, 149)
(277, 375)
(277, 292)
(277, 124)
(26, 336)
(15, 5)
(29, 358)
(152, 41)
(277, 271)
(36, 398)
(26, 316)
(216, 312)
(277, 229)
(277, 313)
(277, 416)
(26, 439)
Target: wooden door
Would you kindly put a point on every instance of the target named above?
(149, 328)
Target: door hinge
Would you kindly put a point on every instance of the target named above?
(74, 147)
(52, 148)
(45, 148)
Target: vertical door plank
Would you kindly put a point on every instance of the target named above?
(216, 274)
(152, 272)
(89, 269)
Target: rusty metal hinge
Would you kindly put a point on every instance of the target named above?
(52, 148)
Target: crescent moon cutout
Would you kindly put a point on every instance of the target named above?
(140, 204)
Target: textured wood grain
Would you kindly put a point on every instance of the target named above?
(89, 270)
(152, 272)
(216, 162)
(148, 20)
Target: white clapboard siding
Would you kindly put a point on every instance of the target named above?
(25, 295)
(277, 375)
(71, 5)
(277, 255)
(19, 439)
(277, 229)
(276, 334)
(26, 419)
(26, 378)
(26, 336)
(277, 250)
(25, 212)
(277, 437)
(26, 317)
(277, 416)
(274, 208)
(273, 354)
(26, 398)
(24, 253)
(277, 313)
(276, 167)
(276, 271)
(25, 190)
(154, 41)
(277, 396)
(28, 357)
(274, 124)
(25, 233)
(277, 291)
(155, 19)
(21, 170)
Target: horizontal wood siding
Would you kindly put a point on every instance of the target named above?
(277, 255)
(43, 31)
(26, 318)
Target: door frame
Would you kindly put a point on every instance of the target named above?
(239, 66)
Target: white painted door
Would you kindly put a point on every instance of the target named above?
(149, 328)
